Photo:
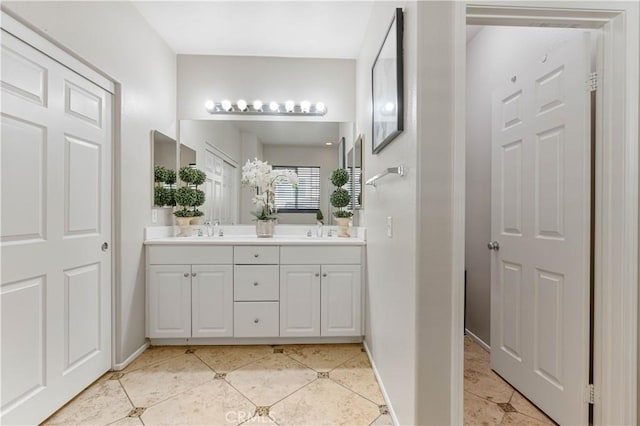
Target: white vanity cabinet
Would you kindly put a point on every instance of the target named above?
(320, 291)
(254, 292)
(189, 292)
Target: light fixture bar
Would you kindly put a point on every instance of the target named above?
(303, 108)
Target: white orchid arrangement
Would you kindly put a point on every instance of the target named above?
(261, 176)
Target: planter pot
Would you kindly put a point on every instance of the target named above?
(343, 226)
(184, 224)
(265, 228)
(197, 220)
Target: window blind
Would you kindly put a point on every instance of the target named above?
(306, 198)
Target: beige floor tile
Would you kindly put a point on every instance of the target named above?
(478, 411)
(212, 403)
(102, 403)
(158, 382)
(228, 358)
(521, 420)
(383, 420)
(323, 357)
(270, 379)
(324, 402)
(357, 375)
(260, 420)
(155, 355)
(525, 407)
(127, 421)
(474, 351)
(481, 381)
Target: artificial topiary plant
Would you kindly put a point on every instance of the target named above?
(189, 195)
(340, 197)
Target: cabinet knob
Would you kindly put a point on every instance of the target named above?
(186, 275)
(255, 283)
(317, 274)
(256, 320)
(324, 275)
(256, 255)
(194, 274)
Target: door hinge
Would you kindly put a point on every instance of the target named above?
(591, 394)
(592, 81)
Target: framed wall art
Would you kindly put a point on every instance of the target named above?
(387, 87)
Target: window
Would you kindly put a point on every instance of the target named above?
(305, 199)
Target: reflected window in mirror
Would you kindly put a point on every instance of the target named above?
(305, 198)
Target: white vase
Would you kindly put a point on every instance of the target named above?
(265, 228)
(184, 224)
(343, 226)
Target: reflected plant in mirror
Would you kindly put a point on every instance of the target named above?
(164, 192)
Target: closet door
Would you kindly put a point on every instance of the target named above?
(55, 235)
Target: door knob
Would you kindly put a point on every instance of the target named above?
(494, 245)
(256, 320)
(317, 275)
(324, 275)
(186, 274)
(256, 255)
(255, 283)
(105, 246)
(194, 274)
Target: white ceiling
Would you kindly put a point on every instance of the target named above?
(292, 132)
(304, 28)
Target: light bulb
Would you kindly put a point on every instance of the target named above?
(289, 105)
(320, 107)
(273, 106)
(389, 106)
(209, 105)
(242, 104)
(257, 105)
(328, 143)
(305, 106)
(226, 105)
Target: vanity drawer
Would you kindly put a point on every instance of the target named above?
(256, 255)
(320, 255)
(256, 282)
(256, 319)
(190, 255)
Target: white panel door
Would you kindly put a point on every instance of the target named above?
(300, 301)
(212, 301)
(541, 221)
(56, 215)
(169, 301)
(341, 300)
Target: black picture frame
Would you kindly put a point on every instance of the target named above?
(387, 87)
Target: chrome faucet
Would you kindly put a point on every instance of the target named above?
(216, 228)
(209, 228)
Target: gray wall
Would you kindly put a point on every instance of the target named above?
(493, 56)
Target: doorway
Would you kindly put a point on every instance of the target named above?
(528, 148)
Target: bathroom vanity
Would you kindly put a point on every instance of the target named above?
(235, 289)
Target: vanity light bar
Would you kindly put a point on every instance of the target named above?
(242, 107)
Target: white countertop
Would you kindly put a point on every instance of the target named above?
(241, 235)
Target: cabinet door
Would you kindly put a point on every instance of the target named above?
(341, 307)
(169, 301)
(300, 301)
(212, 300)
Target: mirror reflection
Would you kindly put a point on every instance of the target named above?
(164, 152)
(223, 147)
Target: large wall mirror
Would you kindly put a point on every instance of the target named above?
(164, 153)
(222, 147)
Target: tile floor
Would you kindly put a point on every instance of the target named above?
(489, 400)
(273, 385)
(231, 385)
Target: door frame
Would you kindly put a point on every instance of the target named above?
(49, 47)
(616, 196)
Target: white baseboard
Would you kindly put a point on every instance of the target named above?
(392, 413)
(478, 340)
(122, 365)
